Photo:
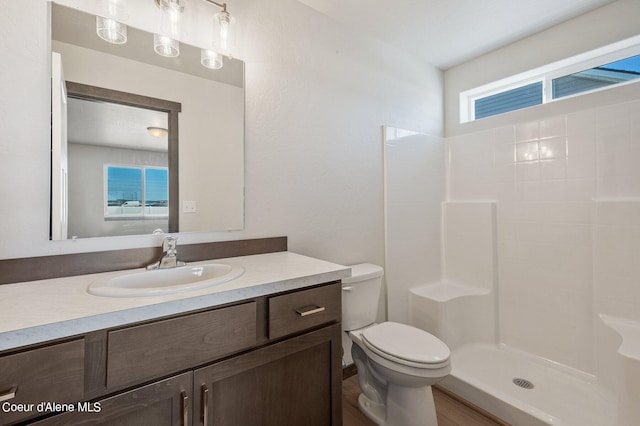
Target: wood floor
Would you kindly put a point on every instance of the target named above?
(450, 412)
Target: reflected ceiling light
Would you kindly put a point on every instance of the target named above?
(111, 31)
(108, 22)
(210, 59)
(165, 46)
(157, 132)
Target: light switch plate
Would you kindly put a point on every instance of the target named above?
(188, 206)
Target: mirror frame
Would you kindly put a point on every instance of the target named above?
(85, 91)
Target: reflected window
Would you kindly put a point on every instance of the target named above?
(136, 192)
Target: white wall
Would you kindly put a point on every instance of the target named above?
(316, 97)
(414, 189)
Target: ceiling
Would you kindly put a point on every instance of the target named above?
(114, 125)
(445, 33)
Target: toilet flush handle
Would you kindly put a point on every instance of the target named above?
(347, 288)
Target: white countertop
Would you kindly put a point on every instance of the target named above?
(38, 311)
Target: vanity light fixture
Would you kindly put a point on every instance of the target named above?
(110, 30)
(157, 132)
(108, 22)
(172, 10)
(224, 34)
(165, 43)
(165, 46)
(210, 59)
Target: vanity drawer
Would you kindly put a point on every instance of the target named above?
(299, 311)
(156, 349)
(51, 374)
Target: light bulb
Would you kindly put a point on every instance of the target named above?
(224, 33)
(111, 31)
(173, 10)
(165, 46)
(210, 59)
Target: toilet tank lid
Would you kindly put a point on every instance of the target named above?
(363, 271)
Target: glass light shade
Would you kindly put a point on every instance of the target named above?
(172, 11)
(168, 5)
(165, 46)
(210, 59)
(111, 31)
(113, 9)
(158, 132)
(224, 33)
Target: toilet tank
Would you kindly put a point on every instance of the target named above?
(360, 296)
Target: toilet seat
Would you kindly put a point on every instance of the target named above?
(406, 345)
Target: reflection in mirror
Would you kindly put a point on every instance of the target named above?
(121, 177)
(211, 134)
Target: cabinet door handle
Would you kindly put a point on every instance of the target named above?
(10, 394)
(185, 409)
(205, 405)
(347, 288)
(309, 310)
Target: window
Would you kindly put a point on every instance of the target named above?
(136, 192)
(509, 100)
(597, 77)
(601, 68)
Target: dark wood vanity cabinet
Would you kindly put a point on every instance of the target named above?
(164, 403)
(293, 382)
(273, 360)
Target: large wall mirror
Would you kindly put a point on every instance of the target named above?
(157, 144)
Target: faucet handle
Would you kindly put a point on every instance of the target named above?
(169, 243)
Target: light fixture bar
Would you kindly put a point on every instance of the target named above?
(221, 5)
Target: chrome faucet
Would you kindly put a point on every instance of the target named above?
(169, 255)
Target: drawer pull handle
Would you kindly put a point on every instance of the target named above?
(205, 405)
(10, 394)
(185, 408)
(347, 288)
(309, 310)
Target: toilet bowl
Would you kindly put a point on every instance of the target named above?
(396, 363)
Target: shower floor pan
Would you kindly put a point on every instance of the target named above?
(526, 390)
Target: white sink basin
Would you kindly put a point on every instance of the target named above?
(165, 281)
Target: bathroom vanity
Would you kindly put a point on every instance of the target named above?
(263, 349)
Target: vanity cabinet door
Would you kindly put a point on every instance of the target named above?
(30, 379)
(164, 403)
(294, 382)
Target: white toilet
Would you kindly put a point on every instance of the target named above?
(397, 363)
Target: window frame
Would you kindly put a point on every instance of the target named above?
(585, 61)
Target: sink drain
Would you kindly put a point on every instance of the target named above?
(523, 383)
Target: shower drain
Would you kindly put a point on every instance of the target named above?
(523, 383)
